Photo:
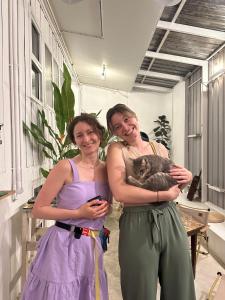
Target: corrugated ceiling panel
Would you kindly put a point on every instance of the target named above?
(203, 13)
(169, 12)
(170, 67)
(146, 62)
(160, 82)
(189, 45)
(156, 40)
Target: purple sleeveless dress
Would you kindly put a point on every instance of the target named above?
(64, 267)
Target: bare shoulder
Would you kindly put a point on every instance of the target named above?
(63, 165)
(115, 146)
(61, 170)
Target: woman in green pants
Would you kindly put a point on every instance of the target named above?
(153, 243)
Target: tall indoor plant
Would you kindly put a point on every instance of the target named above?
(162, 131)
(58, 146)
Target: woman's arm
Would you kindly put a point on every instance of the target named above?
(126, 193)
(56, 179)
(181, 174)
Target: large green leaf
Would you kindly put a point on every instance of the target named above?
(36, 129)
(66, 74)
(58, 108)
(67, 97)
(67, 142)
(42, 141)
(44, 172)
(71, 153)
(53, 134)
(47, 155)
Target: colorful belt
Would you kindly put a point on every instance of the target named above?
(78, 231)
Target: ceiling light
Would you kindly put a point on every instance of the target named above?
(170, 2)
(71, 1)
(103, 73)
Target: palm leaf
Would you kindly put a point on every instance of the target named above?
(44, 172)
(67, 96)
(58, 108)
(71, 153)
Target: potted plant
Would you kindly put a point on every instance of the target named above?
(58, 146)
(162, 131)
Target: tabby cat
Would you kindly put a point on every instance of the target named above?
(151, 172)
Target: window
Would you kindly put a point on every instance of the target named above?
(48, 77)
(36, 82)
(35, 42)
(36, 73)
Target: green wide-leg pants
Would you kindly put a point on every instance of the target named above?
(153, 245)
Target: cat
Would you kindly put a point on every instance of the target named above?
(151, 172)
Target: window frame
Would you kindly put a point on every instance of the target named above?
(37, 64)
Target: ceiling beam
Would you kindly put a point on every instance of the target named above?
(176, 58)
(153, 88)
(208, 33)
(181, 5)
(160, 75)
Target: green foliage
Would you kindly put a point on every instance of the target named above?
(58, 146)
(162, 131)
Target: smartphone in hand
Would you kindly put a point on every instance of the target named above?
(99, 197)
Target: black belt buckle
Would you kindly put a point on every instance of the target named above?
(78, 232)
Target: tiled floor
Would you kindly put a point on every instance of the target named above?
(207, 266)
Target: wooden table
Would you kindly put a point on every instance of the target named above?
(192, 228)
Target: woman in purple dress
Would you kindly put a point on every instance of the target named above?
(69, 260)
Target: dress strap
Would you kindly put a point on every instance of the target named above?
(75, 171)
(153, 148)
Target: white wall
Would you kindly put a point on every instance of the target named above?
(178, 123)
(17, 157)
(148, 106)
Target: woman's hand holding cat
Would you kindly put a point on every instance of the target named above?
(181, 174)
(169, 195)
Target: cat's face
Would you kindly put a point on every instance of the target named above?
(141, 167)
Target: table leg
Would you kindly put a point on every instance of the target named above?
(193, 252)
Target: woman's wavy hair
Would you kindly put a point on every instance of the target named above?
(90, 120)
(118, 108)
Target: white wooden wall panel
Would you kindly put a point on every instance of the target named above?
(20, 92)
(33, 7)
(2, 164)
(5, 147)
(38, 13)
(54, 46)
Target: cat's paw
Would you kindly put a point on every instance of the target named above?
(132, 180)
